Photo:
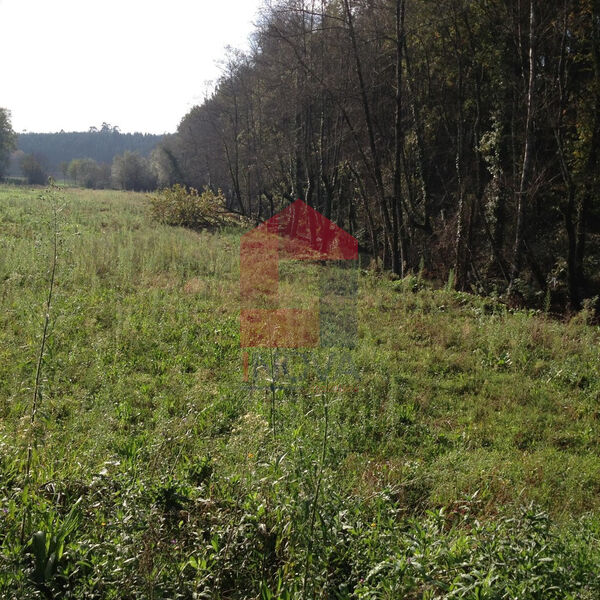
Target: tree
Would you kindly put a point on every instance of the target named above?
(64, 169)
(89, 173)
(33, 170)
(164, 165)
(130, 171)
(7, 139)
(524, 182)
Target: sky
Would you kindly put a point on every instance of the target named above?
(137, 64)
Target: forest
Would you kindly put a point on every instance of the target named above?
(101, 144)
(456, 138)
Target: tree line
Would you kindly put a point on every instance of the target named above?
(455, 136)
(101, 144)
(130, 170)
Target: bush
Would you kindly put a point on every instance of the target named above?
(185, 207)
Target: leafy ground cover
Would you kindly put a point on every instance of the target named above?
(458, 458)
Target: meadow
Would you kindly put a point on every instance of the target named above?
(459, 458)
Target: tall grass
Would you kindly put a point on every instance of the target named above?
(459, 460)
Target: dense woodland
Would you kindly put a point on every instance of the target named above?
(454, 136)
(101, 144)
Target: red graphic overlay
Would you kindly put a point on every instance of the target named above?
(299, 232)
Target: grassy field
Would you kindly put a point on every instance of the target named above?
(459, 458)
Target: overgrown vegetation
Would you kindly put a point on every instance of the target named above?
(190, 208)
(462, 449)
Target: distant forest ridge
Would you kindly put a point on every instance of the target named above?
(101, 144)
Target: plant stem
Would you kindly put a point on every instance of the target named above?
(273, 394)
(38, 371)
(315, 501)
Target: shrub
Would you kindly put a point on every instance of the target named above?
(185, 207)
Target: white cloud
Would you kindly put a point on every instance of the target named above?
(139, 64)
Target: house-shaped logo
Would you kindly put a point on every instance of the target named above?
(298, 232)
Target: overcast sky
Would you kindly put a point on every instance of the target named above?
(138, 64)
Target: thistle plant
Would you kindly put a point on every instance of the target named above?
(51, 196)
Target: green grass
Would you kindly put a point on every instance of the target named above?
(462, 450)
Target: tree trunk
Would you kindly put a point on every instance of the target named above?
(526, 167)
(460, 258)
(569, 211)
(591, 165)
(399, 234)
(420, 154)
(376, 162)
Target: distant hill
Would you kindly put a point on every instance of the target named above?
(102, 144)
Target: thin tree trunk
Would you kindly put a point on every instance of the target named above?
(420, 154)
(460, 258)
(372, 145)
(591, 167)
(526, 167)
(370, 220)
(399, 235)
(569, 211)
